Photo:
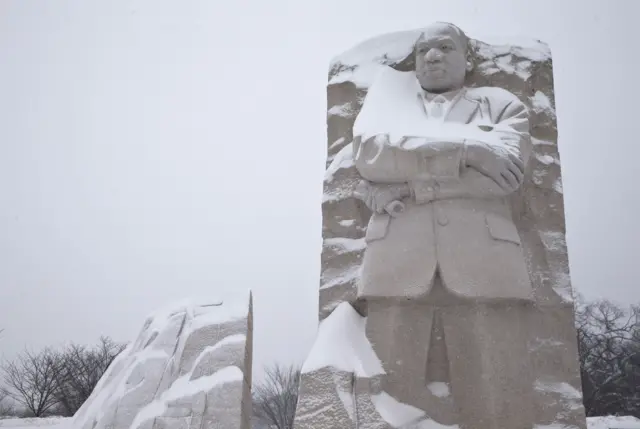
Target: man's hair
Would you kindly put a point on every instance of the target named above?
(464, 40)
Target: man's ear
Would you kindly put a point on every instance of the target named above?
(470, 64)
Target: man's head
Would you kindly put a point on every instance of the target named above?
(441, 58)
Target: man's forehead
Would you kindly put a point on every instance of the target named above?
(440, 31)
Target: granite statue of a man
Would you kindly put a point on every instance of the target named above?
(444, 278)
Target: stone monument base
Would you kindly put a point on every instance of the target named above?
(342, 383)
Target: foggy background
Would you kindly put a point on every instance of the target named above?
(153, 150)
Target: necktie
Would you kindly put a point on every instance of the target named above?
(437, 107)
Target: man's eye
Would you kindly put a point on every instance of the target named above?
(446, 48)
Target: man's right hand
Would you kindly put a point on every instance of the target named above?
(507, 171)
(378, 197)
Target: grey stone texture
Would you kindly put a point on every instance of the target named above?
(189, 368)
(471, 320)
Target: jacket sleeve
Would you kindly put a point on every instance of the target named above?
(511, 125)
(379, 161)
(438, 170)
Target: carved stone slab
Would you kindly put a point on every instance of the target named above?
(345, 392)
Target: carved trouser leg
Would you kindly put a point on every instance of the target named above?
(399, 334)
(407, 337)
(477, 350)
(491, 377)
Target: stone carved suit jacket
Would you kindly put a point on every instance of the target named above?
(457, 221)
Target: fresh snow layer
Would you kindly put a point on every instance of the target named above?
(362, 63)
(394, 412)
(541, 103)
(345, 245)
(613, 422)
(439, 389)
(391, 108)
(172, 323)
(387, 48)
(184, 387)
(336, 277)
(564, 389)
(525, 47)
(34, 422)
(341, 343)
(227, 309)
(343, 159)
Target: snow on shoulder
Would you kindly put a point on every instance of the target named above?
(392, 107)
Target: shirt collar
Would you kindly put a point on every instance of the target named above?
(430, 96)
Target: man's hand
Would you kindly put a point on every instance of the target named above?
(379, 197)
(507, 171)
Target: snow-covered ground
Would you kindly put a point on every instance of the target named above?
(611, 422)
(49, 423)
(65, 423)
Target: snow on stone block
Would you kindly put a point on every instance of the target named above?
(190, 365)
(341, 344)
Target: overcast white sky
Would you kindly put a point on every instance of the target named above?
(152, 150)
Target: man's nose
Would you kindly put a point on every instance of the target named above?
(434, 55)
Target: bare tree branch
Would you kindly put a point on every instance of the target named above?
(6, 409)
(30, 380)
(80, 370)
(609, 345)
(57, 382)
(276, 397)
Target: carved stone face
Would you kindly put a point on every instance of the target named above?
(441, 58)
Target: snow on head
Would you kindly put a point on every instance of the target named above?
(362, 64)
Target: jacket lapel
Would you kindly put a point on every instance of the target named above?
(462, 109)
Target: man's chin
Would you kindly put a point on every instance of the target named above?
(436, 86)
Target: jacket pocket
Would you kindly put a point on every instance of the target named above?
(502, 228)
(378, 227)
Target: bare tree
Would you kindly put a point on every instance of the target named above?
(80, 370)
(276, 397)
(609, 344)
(30, 380)
(6, 408)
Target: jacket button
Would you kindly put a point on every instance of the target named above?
(442, 219)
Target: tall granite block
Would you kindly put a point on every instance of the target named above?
(189, 368)
(445, 295)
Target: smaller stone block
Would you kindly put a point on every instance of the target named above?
(190, 366)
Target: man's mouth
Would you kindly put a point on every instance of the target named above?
(436, 71)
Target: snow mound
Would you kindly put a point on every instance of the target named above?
(189, 365)
(341, 344)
